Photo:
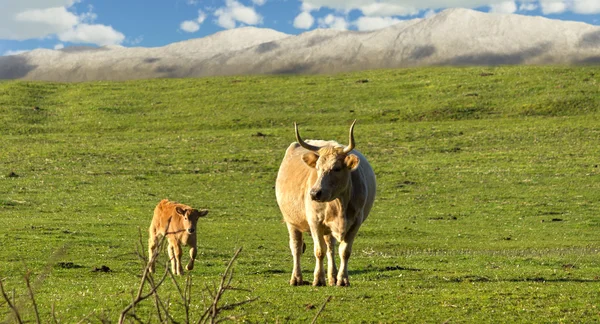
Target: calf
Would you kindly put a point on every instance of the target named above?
(178, 223)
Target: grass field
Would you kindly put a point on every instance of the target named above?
(488, 206)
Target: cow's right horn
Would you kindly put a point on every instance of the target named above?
(351, 145)
(302, 143)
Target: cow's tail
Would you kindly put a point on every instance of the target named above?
(303, 247)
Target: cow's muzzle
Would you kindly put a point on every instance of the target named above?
(191, 230)
(316, 195)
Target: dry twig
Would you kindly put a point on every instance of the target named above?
(10, 305)
(321, 310)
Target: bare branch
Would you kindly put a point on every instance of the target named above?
(139, 297)
(85, 318)
(212, 312)
(234, 305)
(321, 310)
(54, 320)
(11, 305)
(35, 309)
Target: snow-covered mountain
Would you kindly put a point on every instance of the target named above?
(452, 37)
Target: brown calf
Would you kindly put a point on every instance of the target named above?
(181, 221)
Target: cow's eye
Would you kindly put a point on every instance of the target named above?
(337, 169)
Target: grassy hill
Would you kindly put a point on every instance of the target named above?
(488, 206)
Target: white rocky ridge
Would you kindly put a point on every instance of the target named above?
(452, 37)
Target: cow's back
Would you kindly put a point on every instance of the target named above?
(164, 211)
(365, 176)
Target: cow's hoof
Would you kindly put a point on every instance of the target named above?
(318, 283)
(343, 283)
(189, 267)
(296, 281)
(331, 281)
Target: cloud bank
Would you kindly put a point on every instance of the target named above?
(30, 19)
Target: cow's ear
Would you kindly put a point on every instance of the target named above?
(310, 159)
(203, 212)
(351, 161)
(180, 211)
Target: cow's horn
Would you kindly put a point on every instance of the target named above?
(350, 146)
(302, 143)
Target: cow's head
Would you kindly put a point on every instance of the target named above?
(333, 166)
(190, 217)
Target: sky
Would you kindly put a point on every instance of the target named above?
(54, 24)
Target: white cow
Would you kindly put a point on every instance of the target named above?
(328, 190)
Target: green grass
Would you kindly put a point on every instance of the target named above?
(488, 206)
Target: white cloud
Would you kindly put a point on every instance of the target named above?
(88, 17)
(528, 7)
(135, 41)
(374, 23)
(234, 12)
(28, 19)
(429, 13)
(553, 7)
(308, 7)
(586, 6)
(57, 19)
(59, 46)
(259, 2)
(304, 20)
(387, 9)
(16, 52)
(189, 26)
(201, 17)
(11, 28)
(192, 26)
(333, 22)
(504, 7)
(92, 34)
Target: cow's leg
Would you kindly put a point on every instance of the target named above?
(151, 247)
(193, 252)
(319, 240)
(296, 246)
(345, 249)
(331, 268)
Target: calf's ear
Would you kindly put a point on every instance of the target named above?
(310, 159)
(180, 211)
(351, 161)
(203, 212)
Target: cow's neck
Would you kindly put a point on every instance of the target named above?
(337, 218)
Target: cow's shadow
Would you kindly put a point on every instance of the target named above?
(381, 269)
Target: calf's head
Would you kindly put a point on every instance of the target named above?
(333, 166)
(190, 217)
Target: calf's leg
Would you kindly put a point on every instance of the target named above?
(177, 258)
(193, 252)
(151, 247)
(171, 249)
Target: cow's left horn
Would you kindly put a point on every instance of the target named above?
(302, 143)
(350, 146)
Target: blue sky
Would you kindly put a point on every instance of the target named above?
(54, 24)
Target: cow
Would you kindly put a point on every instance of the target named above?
(328, 190)
(178, 223)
